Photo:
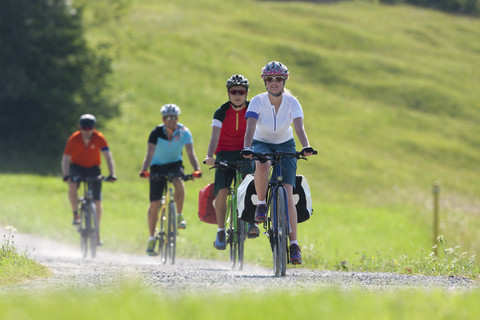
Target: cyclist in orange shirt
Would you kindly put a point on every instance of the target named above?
(81, 157)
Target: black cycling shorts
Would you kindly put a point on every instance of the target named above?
(224, 176)
(157, 186)
(76, 170)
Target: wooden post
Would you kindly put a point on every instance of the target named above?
(436, 194)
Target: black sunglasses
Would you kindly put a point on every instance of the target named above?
(276, 79)
(235, 92)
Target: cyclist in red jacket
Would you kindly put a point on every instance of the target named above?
(81, 157)
(226, 142)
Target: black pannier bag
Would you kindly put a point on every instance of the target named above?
(247, 199)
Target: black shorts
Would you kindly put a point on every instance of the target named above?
(76, 170)
(157, 186)
(224, 176)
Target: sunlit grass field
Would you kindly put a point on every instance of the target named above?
(391, 99)
(390, 95)
(329, 303)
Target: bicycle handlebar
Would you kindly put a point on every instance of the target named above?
(236, 165)
(170, 176)
(89, 179)
(264, 156)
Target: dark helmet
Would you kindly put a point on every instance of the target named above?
(275, 68)
(237, 80)
(170, 109)
(87, 120)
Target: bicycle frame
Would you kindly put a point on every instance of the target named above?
(236, 231)
(278, 222)
(166, 234)
(88, 231)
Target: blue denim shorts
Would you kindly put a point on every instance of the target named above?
(289, 166)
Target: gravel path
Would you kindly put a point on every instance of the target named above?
(108, 270)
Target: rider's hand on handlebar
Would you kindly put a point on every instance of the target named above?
(111, 178)
(307, 151)
(247, 152)
(197, 174)
(210, 161)
(144, 174)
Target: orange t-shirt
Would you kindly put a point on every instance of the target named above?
(85, 156)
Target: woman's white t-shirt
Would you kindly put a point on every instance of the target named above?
(274, 127)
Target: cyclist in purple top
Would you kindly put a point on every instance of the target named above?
(269, 118)
(164, 156)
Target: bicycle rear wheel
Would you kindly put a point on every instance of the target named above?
(280, 232)
(172, 232)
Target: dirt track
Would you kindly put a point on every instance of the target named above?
(107, 270)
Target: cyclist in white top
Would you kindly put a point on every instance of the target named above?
(269, 118)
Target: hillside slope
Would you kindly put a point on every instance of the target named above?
(391, 102)
(390, 95)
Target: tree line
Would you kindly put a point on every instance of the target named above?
(469, 7)
(49, 77)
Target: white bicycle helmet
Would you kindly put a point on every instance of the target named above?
(87, 120)
(275, 68)
(170, 109)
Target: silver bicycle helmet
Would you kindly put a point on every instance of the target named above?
(170, 109)
(87, 120)
(275, 68)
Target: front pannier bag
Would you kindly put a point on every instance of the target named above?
(247, 199)
(206, 206)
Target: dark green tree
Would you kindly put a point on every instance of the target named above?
(49, 76)
(469, 7)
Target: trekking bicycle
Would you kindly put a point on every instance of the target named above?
(277, 225)
(166, 233)
(88, 228)
(237, 228)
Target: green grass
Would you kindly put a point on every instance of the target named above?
(390, 95)
(328, 303)
(17, 266)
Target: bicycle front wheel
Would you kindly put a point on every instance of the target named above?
(172, 232)
(232, 235)
(83, 232)
(93, 230)
(280, 232)
(162, 241)
(241, 236)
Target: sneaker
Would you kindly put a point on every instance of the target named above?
(219, 242)
(181, 223)
(76, 219)
(252, 231)
(261, 213)
(295, 254)
(151, 247)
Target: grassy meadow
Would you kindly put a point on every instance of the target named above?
(391, 102)
(135, 302)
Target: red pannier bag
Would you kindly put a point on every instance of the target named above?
(206, 210)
